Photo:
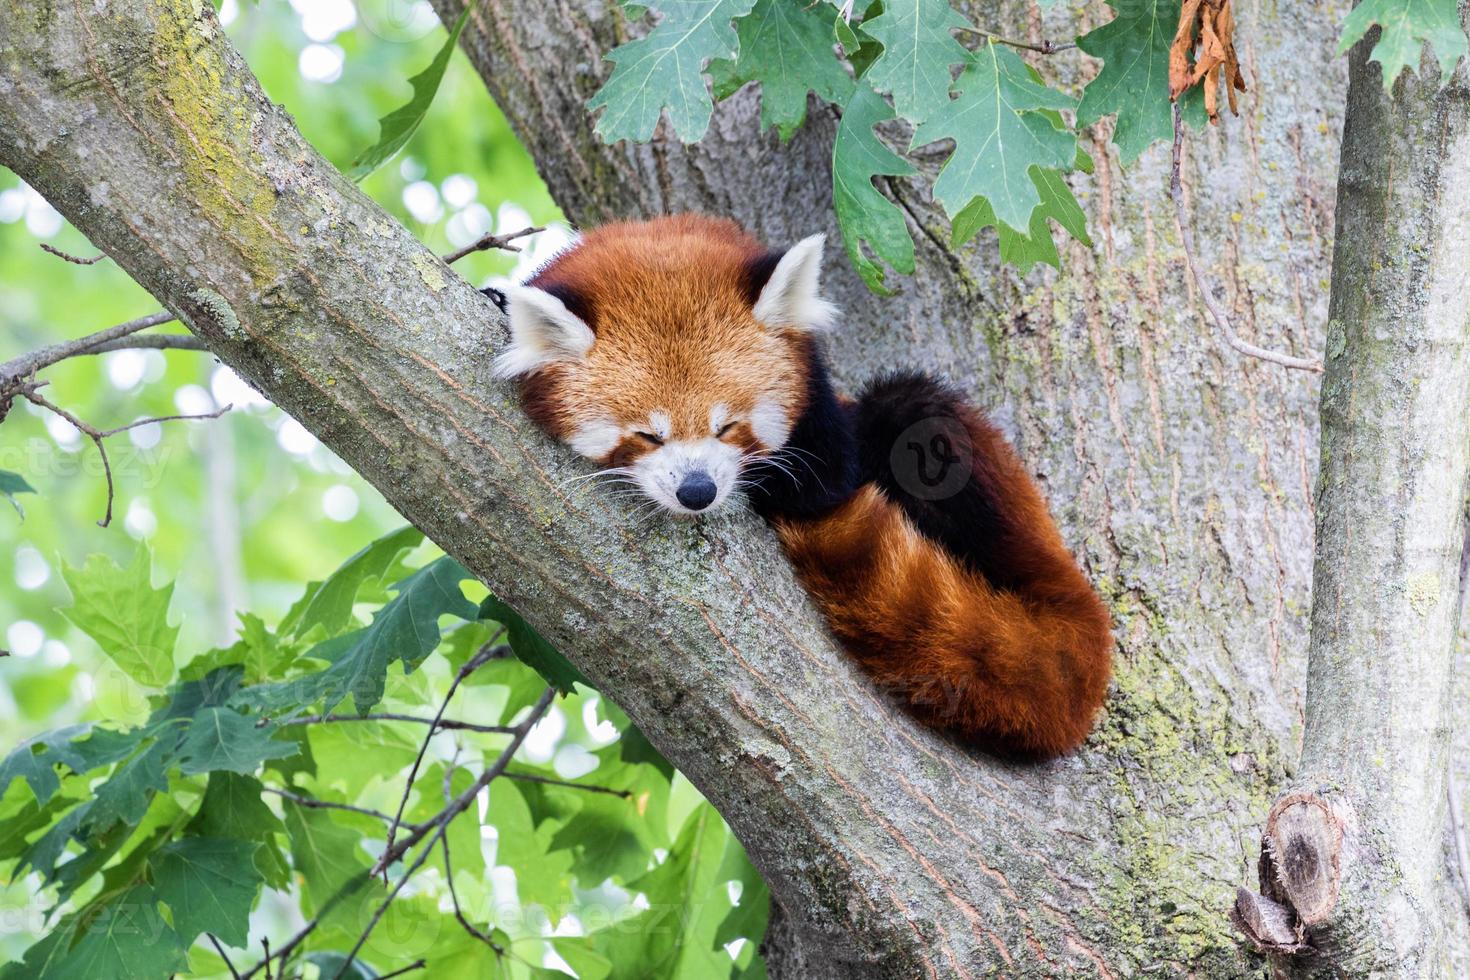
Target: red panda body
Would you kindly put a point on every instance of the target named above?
(679, 354)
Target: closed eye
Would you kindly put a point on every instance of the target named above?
(650, 437)
(724, 429)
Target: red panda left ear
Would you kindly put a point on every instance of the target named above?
(542, 331)
(792, 295)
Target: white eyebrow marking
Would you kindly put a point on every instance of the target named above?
(718, 416)
(661, 424)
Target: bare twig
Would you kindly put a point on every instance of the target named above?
(443, 724)
(99, 436)
(469, 927)
(222, 954)
(417, 965)
(1457, 830)
(265, 944)
(28, 364)
(1045, 47)
(75, 260)
(1176, 190)
(149, 341)
(441, 823)
(313, 803)
(485, 654)
(486, 242)
(527, 777)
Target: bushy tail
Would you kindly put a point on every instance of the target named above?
(947, 578)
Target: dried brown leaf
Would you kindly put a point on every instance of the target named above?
(1203, 50)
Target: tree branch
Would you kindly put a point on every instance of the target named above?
(1355, 846)
(442, 724)
(485, 242)
(313, 803)
(489, 651)
(1217, 312)
(99, 437)
(893, 850)
(15, 370)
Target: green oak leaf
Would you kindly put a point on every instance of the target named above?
(746, 920)
(864, 215)
(127, 937)
(786, 46)
(125, 796)
(532, 649)
(664, 70)
(78, 747)
(232, 808)
(406, 629)
(331, 604)
(999, 136)
(1134, 79)
(128, 618)
(674, 937)
(1024, 251)
(330, 860)
(222, 738)
(210, 885)
(543, 874)
(918, 50)
(397, 127)
(12, 484)
(1407, 26)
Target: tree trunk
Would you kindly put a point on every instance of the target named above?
(1180, 472)
(1355, 848)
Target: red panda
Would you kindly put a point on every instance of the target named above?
(683, 357)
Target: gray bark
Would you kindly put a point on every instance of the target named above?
(1355, 849)
(1181, 473)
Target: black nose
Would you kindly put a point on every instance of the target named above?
(697, 491)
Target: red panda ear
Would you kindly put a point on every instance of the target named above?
(792, 296)
(542, 331)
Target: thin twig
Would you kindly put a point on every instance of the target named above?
(527, 777)
(444, 724)
(1462, 857)
(1176, 190)
(485, 654)
(265, 944)
(418, 965)
(149, 341)
(486, 242)
(438, 824)
(469, 927)
(28, 364)
(1045, 47)
(75, 260)
(313, 803)
(441, 823)
(99, 436)
(223, 955)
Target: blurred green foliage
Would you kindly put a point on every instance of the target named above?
(157, 805)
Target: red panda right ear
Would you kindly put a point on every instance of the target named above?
(542, 331)
(790, 294)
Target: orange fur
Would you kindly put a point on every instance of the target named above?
(666, 299)
(1006, 643)
(1022, 671)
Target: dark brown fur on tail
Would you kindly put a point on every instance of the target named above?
(945, 576)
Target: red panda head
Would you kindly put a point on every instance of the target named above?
(673, 352)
